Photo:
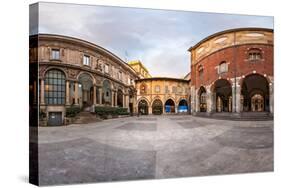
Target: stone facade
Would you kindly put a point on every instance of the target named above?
(163, 89)
(92, 75)
(234, 60)
(231, 71)
(140, 69)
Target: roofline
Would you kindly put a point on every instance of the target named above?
(138, 62)
(74, 39)
(229, 31)
(163, 78)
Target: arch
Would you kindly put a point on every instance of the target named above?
(106, 92)
(157, 107)
(86, 73)
(120, 101)
(183, 105)
(170, 106)
(202, 96)
(255, 85)
(143, 107)
(55, 87)
(55, 68)
(144, 98)
(222, 91)
(85, 89)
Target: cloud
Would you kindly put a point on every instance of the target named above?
(159, 38)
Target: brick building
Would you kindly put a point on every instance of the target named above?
(232, 71)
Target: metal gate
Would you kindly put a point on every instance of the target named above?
(55, 119)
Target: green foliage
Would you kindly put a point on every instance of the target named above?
(104, 111)
(72, 111)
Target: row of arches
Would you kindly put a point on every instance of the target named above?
(254, 95)
(58, 91)
(158, 107)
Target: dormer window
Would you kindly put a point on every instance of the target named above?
(55, 54)
(254, 54)
(86, 60)
(223, 67)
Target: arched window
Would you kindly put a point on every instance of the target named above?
(55, 87)
(223, 67)
(200, 70)
(143, 89)
(254, 54)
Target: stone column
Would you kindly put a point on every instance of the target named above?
(94, 95)
(112, 98)
(271, 98)
(76, 94)
(149, 109)
(192, 104)
(209, 99)
(123, 100)
(42, 92)
(67, 92)
(236, 94)
(115, 98)
(100, 95)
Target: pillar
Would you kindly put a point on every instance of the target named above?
(123, 100)
(100, 95)
(271, 98)
(115, 98)
(67, 92)
(149, 109)
(112, 98)
(42, 92)
(94, 95)
(76, 94)
(193, 100)
(210, 102)
(236, 94)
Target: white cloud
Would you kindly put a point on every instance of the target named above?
(157, 37)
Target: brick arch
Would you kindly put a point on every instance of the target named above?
(251, 73)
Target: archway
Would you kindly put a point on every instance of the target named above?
(85, 90)
(255, 93)
(120, 98)
(106, 93)
(202, 99)
(170, 106)
(183, 106)
(157, 107)
(223, 93)
(143, 107)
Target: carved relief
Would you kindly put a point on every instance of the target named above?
(72, 74)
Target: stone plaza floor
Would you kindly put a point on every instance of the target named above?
(153, 147)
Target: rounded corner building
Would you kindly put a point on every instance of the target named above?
(231, 74)
(232, 71)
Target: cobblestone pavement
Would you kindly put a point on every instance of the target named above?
(153, 147)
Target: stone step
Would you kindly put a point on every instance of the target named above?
(86, 117)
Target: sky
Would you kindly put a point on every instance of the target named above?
(160, 39)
